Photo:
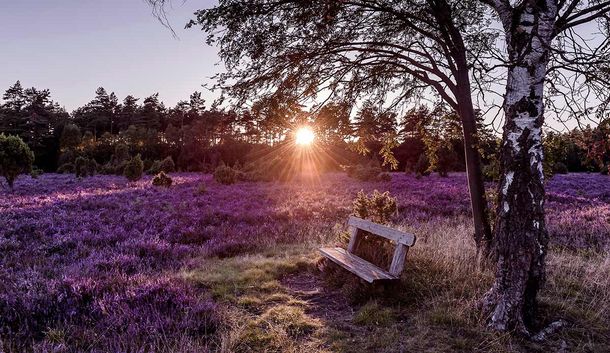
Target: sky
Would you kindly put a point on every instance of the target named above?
(72, 47)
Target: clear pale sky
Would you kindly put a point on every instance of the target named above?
(74, 46)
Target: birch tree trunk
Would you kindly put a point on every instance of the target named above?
(520, 239)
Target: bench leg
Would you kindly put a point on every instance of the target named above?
(398, 260)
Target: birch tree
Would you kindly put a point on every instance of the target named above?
(542, 48)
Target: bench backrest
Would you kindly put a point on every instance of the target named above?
(403, 240)
(382, 231)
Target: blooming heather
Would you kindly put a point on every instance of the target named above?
(80, 256)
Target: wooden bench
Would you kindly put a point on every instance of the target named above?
(362, 268)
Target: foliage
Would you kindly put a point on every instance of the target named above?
(66, 168)
(141, 266)
(560, 168)
(225, 175)
(15, 158)
(378, 207)
(167, 165)
(364, 172)
(133, 168)
(80, 167)
(422, 167)
(70, 137)
(162, 179)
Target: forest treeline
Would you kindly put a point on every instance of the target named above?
(197, 137)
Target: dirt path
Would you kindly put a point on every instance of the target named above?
(323, 303)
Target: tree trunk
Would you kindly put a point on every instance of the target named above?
(520, 239)
(476, 186)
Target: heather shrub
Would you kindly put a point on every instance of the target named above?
(133, 169)
(80, 167)
(201, 188)
(15, 158)
(225, 175)
(422, 167)
(66, 168)
(162, 179)
(560, 168)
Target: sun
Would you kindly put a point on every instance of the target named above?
(304, 136)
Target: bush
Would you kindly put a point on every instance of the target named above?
(162, 179)
(422, 167)
(107, 169)
(168, 165)
(80, 167)
(491, 172)
(91, 167)
(35, 173)
(604, 170)
(66, 168)
(377, 207)
(560, 168)
(133, 169)
(225, 175)
(15, 158)
(368, 172)
(154, 169)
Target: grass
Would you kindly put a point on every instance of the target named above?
(100, 265)
(432, 309)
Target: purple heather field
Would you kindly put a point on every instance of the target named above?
(99, 256)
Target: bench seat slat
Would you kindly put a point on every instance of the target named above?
(360, 267)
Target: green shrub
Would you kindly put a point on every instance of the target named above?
(162, 179)
(377, 207)
(133, 169)
(368, 172)
(225, 175)
(35, 173)
(422, 167)
(107, 169)
(560, 168)
(148, 163)
(119, 168)
(154, 169)
(121, 153)
(491, 172)
(80, 167)
(91, 167)
(66, 168)
(167, 165)
(15, 158)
